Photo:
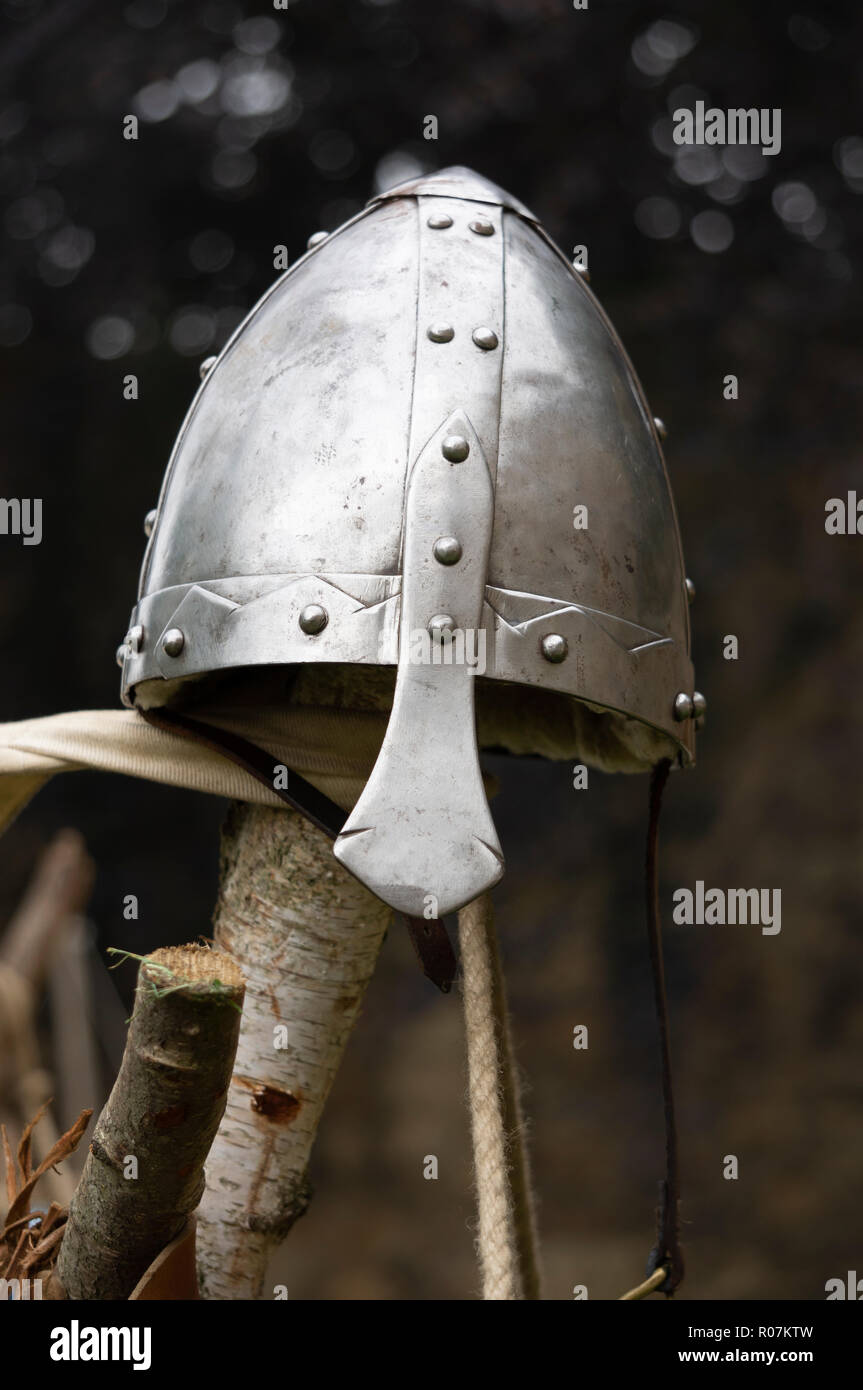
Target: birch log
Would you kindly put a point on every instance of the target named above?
(306, 935)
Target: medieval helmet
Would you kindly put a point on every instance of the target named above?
(425, 449)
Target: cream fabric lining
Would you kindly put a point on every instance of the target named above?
(334, 749)
(327, 724)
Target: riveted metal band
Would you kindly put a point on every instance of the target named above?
(461, 285)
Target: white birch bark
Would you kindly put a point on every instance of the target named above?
(306, 936)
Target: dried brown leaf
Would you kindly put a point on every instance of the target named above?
(10, 1271)
(54, 1214)
(12, 1227)
(24, 1146)
(65, 1145)
(44, 1247)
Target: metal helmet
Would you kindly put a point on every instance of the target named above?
(426, 448)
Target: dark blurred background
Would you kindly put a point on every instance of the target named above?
(257, 127)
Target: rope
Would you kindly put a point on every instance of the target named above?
(506, 1238)
(523, 1201)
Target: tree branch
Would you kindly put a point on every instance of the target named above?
(144, 1172)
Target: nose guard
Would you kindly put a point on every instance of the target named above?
(421, 835)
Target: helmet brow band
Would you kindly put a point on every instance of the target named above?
(430, 939)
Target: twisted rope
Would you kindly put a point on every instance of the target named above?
(506, 1236)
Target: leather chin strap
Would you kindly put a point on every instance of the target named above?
(666, 1253)
(430, 939)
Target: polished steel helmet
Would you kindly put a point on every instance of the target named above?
(426, 449)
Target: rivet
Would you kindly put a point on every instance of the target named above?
(554, 647)
(313, 619)
(455, 448)
(485, 338)
(441, 333)
(682, 707)
(699, 704)
(690, 590)
(660, 427)
(581, 270)
(149, 522)
(206, 367)
(447, 550)
(315, 239)
(441, 626)
(135, 639)
(122, 653)
(173, 642)
(439, 221)
(482, 226)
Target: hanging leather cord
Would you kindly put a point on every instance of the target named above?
(429, 938)
(656, 1280)
(666, 1253)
